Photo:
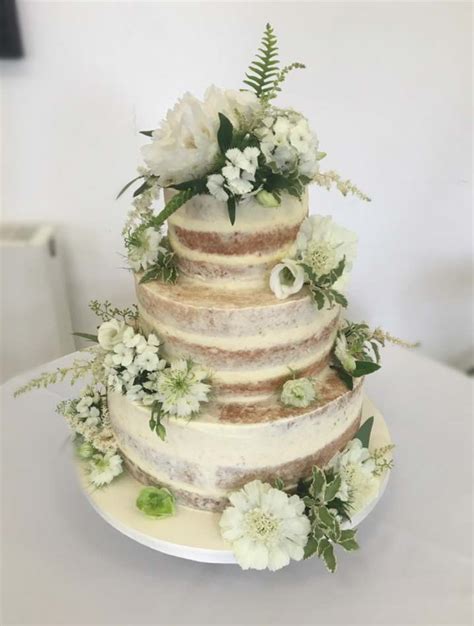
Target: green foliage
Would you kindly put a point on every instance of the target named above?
(129, 184)
(321, 287)
(77, 370)
(164, 269)
(225, 133)
(364, 345)
(280, 79)
(264, 76)
(174, 204)
(156, 502)
(363, 434)
(263, 71)
(155, 420)
(106, 311)
(87, 336)
(323, 510)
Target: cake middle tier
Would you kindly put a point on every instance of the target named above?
(250, 341)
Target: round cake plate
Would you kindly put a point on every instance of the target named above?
(191, 534)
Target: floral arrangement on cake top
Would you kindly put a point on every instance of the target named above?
(232, 145)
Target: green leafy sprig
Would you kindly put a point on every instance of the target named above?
(323, 508)
(106, 311)
(155, 420)
(321, 287)
(164, 269)
(264, 76)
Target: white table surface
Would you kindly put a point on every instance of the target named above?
(62, 564)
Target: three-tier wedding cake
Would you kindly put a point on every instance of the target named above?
(235, 385)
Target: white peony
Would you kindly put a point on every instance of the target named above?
(322, 244)
(299, 392)
(265, 527)
(286, 278)
(342, 352)
(359, 484)
(180, 388)
(143, 250)
(110, 334)
(185, 146)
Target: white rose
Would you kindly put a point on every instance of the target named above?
(110, 334)
(286, 279)
(341, 351)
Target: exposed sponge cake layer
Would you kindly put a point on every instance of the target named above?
(202, 460)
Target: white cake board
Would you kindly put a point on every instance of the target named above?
(190, 534)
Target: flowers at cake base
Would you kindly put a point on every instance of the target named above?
(181, 388)
(356, 469)
(298, 392)
(103, 468)
(266, 527)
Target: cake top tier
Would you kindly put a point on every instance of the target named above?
(234, 170)
(240, 256)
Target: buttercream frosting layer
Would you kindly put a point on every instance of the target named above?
(208, 247)
(202, 460)
(249, 340)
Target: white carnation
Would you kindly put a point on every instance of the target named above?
(185, 146)
(266, 527)
(286, 278)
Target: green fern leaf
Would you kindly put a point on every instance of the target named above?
(264, 69)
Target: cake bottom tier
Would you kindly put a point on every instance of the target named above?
(202, 460)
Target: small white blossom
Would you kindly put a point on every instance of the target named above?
(359, 484)
(104, 468)
(286, 278)
(180, 388)
(215, 187)
(299, 392)
(143, 249)
(342, 352)
(265, 527)
(288, 143)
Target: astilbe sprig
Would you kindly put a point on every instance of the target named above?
(345, 186)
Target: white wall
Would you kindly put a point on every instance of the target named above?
(387, 89)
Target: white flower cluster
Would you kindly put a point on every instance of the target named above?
(143, 248)
(289, 144)
(321, 244)
(185, 146)
(265, 526)
(237, 177)
(136, 370)
(359, 481)
(87, 417)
